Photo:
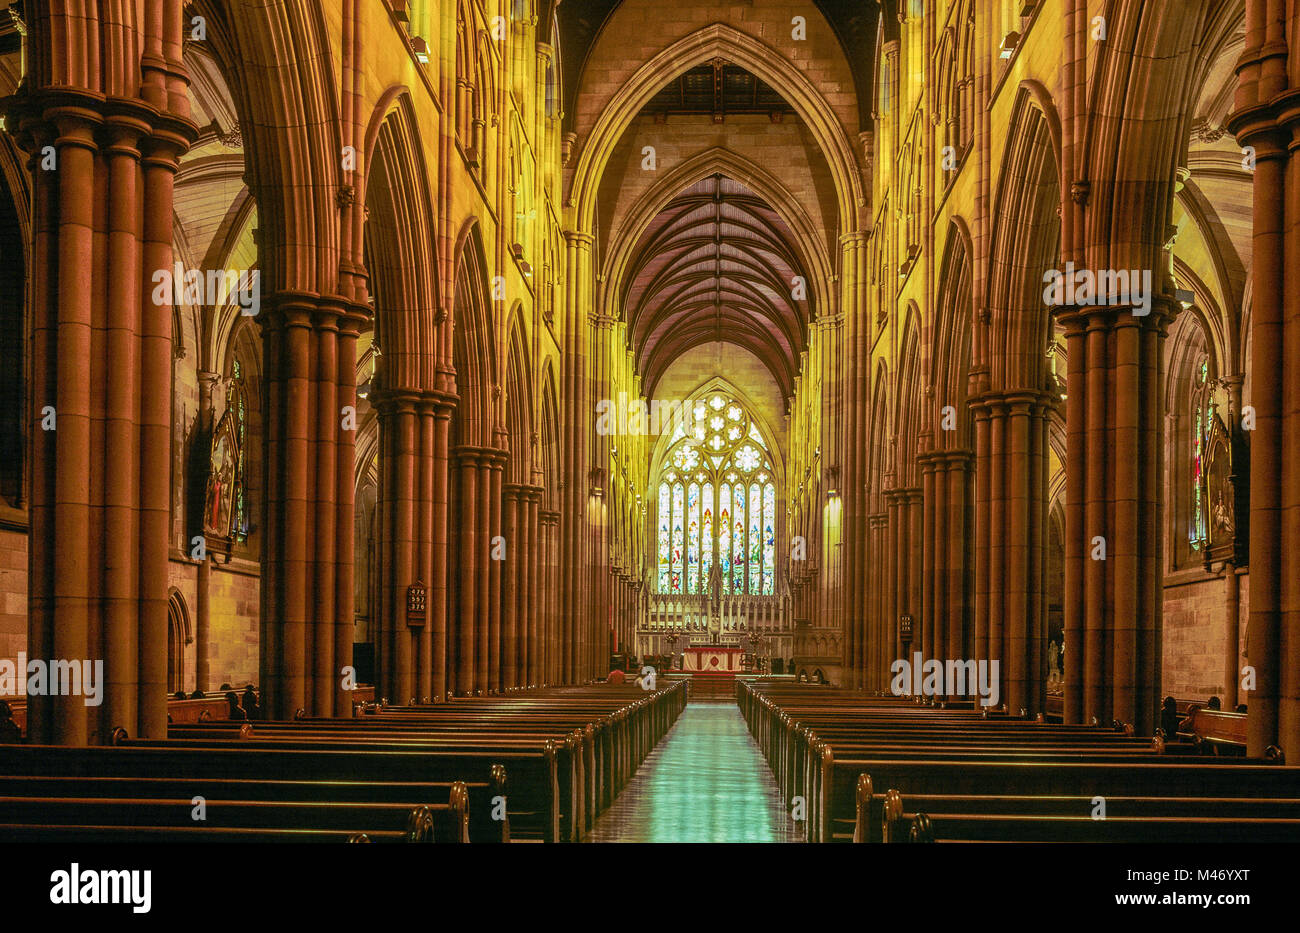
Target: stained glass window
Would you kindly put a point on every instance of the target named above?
(693, 538)
(675, 556)
(1202, 413)
(706, 526)
(719, 511)
(239, 404)
(769, 540)
(665, 516)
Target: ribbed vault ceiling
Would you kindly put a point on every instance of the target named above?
(716, 264)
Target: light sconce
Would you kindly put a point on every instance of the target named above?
(1009, 43)
(1185, 297)
(363, 390)
(421, 49)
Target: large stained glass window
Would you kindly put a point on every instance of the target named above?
(717, 503)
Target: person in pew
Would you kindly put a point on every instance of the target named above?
(616, 677)
(10, 734)
(251, 708)
(1169, 717)
(1241, 707)
(197, 695)
(1213, 704)
(179, 695)
(1186, 724)
(236, 711)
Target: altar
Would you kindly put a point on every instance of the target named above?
(712, 659)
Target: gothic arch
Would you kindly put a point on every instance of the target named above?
(950, 349)
(180, 632)
(292, 118)
(400, 250)
(877, 447)
(908, 419)
(1025, 243)
(473, 349)
(718, 41)
(1130, 165)
(519, 402)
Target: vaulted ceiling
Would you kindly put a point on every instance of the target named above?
(716, 265)
(854, 23)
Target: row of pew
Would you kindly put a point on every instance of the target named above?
(890, 769)
(530, 766)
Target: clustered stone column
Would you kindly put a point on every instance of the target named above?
(104, 158)
(477, 616)
(1113, 540)
(578, 614)
(307, 590)
(942, 627)
(412, 535)
(1010, 589)
(550, 623)
(1267, 119)
(522, 612)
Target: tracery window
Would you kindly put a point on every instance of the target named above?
(716, 501)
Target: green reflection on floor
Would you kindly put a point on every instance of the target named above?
(705, 782)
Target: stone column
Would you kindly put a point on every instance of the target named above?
(533, 595)
(516, 557)
(101, 365)
(1113, 567)
(1266, 119)
(439, 603)
(551, 628)
(465, 552)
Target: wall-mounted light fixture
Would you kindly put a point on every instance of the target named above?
(421, 49)
(1009, 43)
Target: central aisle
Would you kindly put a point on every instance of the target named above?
(705, 782)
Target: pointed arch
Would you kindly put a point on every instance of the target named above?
(289, 116)
(908, 420)
(473, 347)
(950, 347)
(400, 249)
(1026, 242)
(718, 41)
(519, 402)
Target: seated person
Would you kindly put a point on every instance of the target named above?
(250, 704)
(236, 711)
(1186, 724)
(616, 677)
(10, 734)
(1169, 717)
(1213, 704)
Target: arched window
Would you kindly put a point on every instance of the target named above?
(716, 502)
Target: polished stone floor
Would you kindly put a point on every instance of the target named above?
(705, 782)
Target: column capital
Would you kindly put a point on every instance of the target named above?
(388, 402)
